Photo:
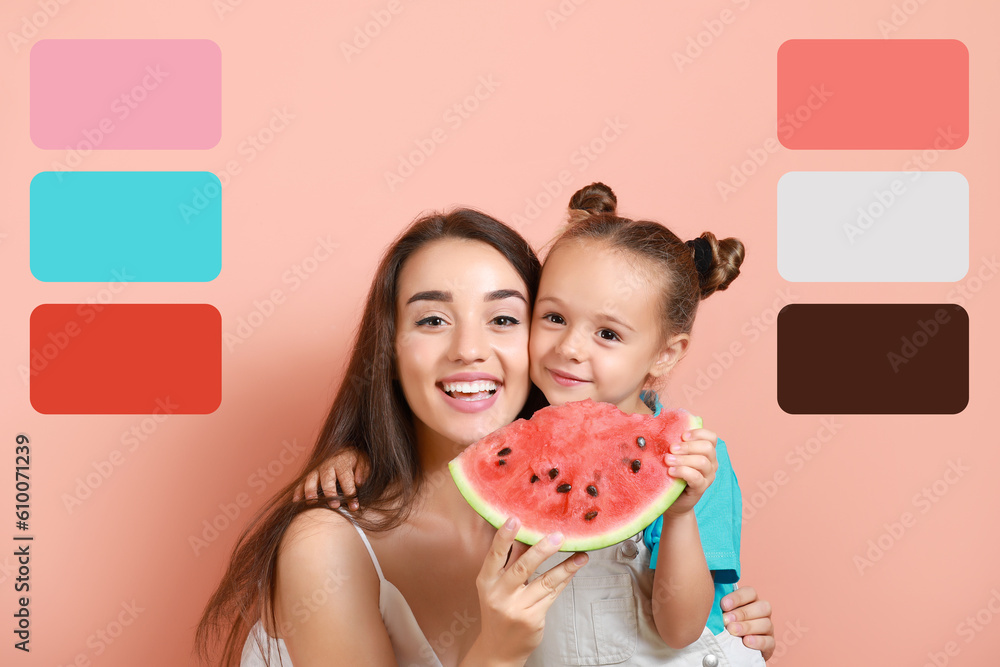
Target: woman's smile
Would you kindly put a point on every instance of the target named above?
(470, 392)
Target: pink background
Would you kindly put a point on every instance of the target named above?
(321, 180)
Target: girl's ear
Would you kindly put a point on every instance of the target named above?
(672, 352)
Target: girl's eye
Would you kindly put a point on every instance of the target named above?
(432, 320)
(555, 318)
(608, 334)
(506, 320)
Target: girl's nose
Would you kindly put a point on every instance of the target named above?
(571, 346)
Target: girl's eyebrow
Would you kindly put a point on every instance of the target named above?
(446, 297)
(612, 318)
(600, 316)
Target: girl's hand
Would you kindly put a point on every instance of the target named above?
(513, 609)
(349, 466)
(693, 460)
(746, 616)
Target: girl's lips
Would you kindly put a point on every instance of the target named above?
(478, 405)
(566, 380)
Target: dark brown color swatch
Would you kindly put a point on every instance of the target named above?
(883, 358)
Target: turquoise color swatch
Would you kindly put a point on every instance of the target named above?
(127, 226)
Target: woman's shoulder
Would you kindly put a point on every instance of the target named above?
(322, 544)
(322, 530)
(310, 522)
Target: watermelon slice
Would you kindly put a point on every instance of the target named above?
(586, 469)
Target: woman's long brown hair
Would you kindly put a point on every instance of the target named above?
(369, 413)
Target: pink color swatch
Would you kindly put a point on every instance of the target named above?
(109, 94)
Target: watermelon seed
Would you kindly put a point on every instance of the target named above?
(564, 488)
(635, 465)
(553, 473)
(501, 462)
(534, 478)
(641, 441)
(592, 490)
(504, 452)
(590, 515)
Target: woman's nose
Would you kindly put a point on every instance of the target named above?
(469, 344)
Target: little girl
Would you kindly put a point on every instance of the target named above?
(613, 315)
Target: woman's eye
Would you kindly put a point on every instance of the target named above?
(431, 320)
(608, 334)
(506, 320)
(554, 318)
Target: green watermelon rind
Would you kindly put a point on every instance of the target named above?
(531, 537)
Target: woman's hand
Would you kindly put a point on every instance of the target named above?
(513, 609)
(746, 616)
(693, 460)
(349, 466)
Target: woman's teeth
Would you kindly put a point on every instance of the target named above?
(470, 391)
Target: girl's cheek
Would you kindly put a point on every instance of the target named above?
(540, 343)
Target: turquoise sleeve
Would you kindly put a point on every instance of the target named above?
(719, 514)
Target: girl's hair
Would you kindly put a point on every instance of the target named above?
(690, 271)
(369, 413)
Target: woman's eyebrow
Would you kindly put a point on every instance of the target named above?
(438, 295)
(499, 294)
(430, 295)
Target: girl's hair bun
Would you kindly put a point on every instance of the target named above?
(593, 199)
(717, 261)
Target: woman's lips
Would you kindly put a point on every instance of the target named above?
(566, 380)
(475, 402)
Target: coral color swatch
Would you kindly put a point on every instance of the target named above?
(873, 93)
(93, 358)
(106, 94)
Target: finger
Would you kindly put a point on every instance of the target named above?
(752, 610)
(546, 588)
(329, 485)
(311, 485)
(700, 434)
(518, 550)
(518, 571)
(493, 564)
(695, 461)
(345, 474)
(755, 626)
(361, 470)
(741, 596)
(764, 644)
(696, 481)
(703, 447)
(700, 448)
(328, 480)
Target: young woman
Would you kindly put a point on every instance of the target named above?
(451, 302)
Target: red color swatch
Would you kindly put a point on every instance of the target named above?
(873, 94)
(126, 358)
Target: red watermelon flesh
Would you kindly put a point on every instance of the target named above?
(585, 469)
